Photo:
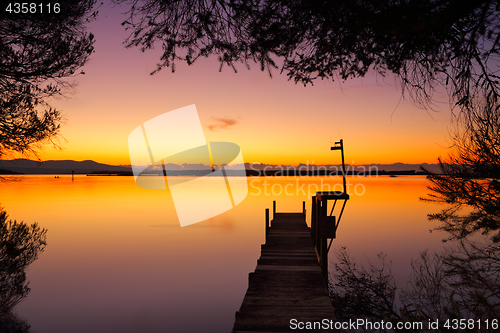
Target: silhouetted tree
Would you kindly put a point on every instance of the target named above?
(463, 282)
(20, 245)
(37, 52)
(474, 271)
(10, 323)
(469, 180)
(357, 292)
(427, 296)
(426, 43)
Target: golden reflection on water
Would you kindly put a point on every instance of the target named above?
(118, 260)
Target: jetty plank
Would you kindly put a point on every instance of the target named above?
(287, 283)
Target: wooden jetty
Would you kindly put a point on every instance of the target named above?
(288, 289)
(288, 282)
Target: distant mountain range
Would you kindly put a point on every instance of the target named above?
(30, 167)
(349, 168)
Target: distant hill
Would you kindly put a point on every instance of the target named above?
(9, 172)
(395, 167)
(404, 166)
(58, 167)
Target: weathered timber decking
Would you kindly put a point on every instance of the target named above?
(287, 282)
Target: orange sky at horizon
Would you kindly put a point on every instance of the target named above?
(273, 120)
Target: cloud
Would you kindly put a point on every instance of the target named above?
(222, 123)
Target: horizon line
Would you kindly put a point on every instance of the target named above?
(208, 166)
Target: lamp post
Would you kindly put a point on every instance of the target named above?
(340, 145)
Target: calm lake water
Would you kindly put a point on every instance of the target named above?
(117, 259)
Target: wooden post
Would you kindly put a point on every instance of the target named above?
(320, 208)
(313, 219)
(313, 202)
(72, 174)
(324, 206)
(267, 222)
(324, 257)
(304, 208)
(274, 209)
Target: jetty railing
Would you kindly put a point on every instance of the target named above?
(323, 225)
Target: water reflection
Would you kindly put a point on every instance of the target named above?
(119, 261)
(20, 245)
